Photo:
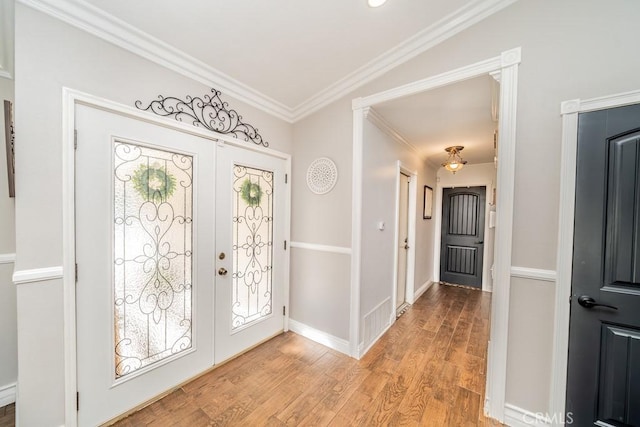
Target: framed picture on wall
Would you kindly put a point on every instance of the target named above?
(427, 207)
(9, 141)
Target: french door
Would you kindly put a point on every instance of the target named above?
(154, 213)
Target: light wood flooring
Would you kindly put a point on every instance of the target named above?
(8, 416)
(427, 370)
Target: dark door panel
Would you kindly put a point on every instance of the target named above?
(603, 383)
(462, 235)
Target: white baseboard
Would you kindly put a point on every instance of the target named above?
(518, 417)
(7, 394)
(318, 336)
(422, 289)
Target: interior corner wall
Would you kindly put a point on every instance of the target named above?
(51, 55)
(8, 316)
(570, 49)
(379, 195)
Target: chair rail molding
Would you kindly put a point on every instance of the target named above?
(20, 277)
(570, 110)
(7, 258)
(507, 63)
(533, 273)
(321, 248)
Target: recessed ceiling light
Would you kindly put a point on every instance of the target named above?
(376, 3)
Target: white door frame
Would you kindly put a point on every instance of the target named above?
(570, 111)
(506, 64)
(437, 241)
(411, 252)
(71, 98)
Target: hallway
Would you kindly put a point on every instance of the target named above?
(427, 370)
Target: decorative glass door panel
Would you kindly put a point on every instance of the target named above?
(252, 245)
(152, 247)
(144, 249)
(250, 215)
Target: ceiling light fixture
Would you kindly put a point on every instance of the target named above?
(454, 163)
(376, 3)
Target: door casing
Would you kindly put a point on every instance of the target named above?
(570, 110)
(411, 253)
(71, 98)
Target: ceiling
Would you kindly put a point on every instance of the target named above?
(458, 114)
(290, 50)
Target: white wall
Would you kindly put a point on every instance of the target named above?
(570, 49)
(49, 56)
(8, 327)
(483, 174)
(379, 204)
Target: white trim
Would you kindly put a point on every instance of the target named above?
(7, 258)
(20, 277)
(570, 110)
(6, 40)
(533, 273)
(518, 417)
(385, 127)
(356, 229)
(507, 63)
(422, 289)
(487, 279)
(95, 21)
(321, 248)
(424, 40)
(7, 394)
(71, 98)
(320, 337)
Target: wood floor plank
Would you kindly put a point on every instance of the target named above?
(429, 369)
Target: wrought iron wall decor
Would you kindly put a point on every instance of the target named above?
(9, 136)
(152, 250)
(209, 111)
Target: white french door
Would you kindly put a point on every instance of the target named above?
(154, 210)
(250, 250)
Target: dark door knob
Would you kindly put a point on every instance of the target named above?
(479, 242)
(587, 302)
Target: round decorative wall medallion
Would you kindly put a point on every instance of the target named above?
(322, 175)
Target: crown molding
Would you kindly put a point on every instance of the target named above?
(424, 40)
(387, 128)
(93, 20)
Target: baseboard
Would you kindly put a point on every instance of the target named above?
(422, 289)
(518, 417)
(7, 394)
(320, 337)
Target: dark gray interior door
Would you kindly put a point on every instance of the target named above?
(462, 245)
(603, 385)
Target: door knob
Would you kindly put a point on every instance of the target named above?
(479, 242)
(222, 271)
(587, 302)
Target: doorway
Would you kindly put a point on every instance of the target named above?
(159, 236)
(402, 243)
(505, 68)
(462, 236)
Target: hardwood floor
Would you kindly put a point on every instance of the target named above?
(8, 416)
(427, 370)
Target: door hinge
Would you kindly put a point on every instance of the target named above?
(285, 245)
(75, 139)
(284, 310)
(76, 272)
(286, 178)
(77, 401)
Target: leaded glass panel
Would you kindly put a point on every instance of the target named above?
(252, 245)
(152, 255)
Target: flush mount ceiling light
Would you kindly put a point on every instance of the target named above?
(454, 163)
(376, 3)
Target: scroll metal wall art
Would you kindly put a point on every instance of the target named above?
(9, 136)
(209, 111)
